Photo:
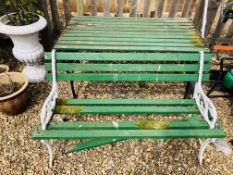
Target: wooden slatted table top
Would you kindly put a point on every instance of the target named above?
(91, 33)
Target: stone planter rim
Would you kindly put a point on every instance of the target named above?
(21, 30)
(22, 76)
(4, 66)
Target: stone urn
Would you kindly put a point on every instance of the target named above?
(27, 48)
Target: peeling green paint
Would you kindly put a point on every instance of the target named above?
(61, 101)
(152, 124)
(68, 109)
(197, 40)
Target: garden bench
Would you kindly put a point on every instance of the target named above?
(120, 49)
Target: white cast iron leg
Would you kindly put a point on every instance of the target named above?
(47, 109)
(220, 145)
(203, 147)
(48, 144)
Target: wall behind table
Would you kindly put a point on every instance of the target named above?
(87, 5)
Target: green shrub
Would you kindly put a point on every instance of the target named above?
(25, 11)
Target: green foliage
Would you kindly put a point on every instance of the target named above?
(25, 11)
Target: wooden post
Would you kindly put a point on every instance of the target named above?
(46, 34)
(93, 8)
(172, 11)
(120, 7)
(107, 7)
(198, 13)
(66, 4)
(79, 7)
(186, 9)
(212, 11)
(159, 10)
(133, 8)
(230, 31)
(55, 16)
(146, 8)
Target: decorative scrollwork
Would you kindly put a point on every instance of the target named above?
(205, 106)
(50, 102)
(48, 107)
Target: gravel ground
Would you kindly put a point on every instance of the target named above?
(19, 154)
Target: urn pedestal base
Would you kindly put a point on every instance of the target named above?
(34, 73)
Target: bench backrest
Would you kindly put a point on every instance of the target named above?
(156, 67)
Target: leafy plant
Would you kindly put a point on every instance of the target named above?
(25, 11)
(7, 88)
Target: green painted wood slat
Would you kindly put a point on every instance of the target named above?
(132, 32)
(130, 43)
(141, 40)
(130, 35)
(128, 67)
(127, 48)
(125, 102)
(91, 144)
(123, 125)
(127, 134)
(126, 25)
(89, 25)
(128, 77)
(124, 109)
(128, 56)
(128, 29)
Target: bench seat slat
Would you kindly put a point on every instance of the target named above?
(112, 26)
(141, 40)
(124, 109)
(123, 125)
(127, 48)
(128, 77)
(75, 24)
(129, 35)
(127, 134)
(125, 102)
(127, 29)
(128, 56)
(92, 144)
(128, 67)
(190, 44)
